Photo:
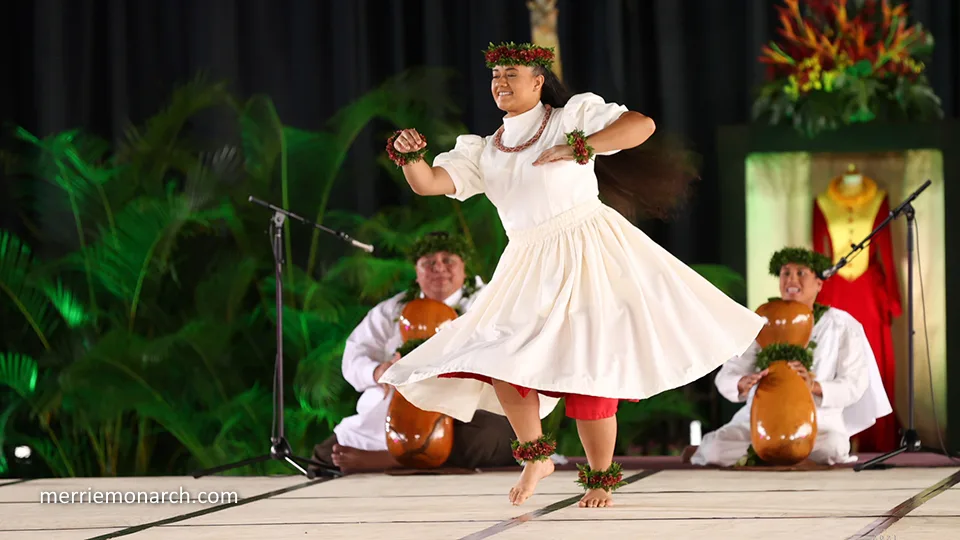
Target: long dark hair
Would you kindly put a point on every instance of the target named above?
(649, 181)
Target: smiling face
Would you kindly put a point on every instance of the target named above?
(515, 89)
(799, 283)
(440, 274)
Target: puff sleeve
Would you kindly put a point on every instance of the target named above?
(590, 113)
(462, 163)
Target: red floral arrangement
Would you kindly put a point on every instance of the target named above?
(582, 151)
(608, 480)
(525, 54)
(403, 158)
(845, 62)
(537, 450)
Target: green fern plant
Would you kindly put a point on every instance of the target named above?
(155, 328)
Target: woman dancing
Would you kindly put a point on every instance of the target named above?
(583, 306)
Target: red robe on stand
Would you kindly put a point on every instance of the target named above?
(866, 287)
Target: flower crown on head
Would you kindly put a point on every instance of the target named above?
(817, 262)
(440, 241)
(524, 54)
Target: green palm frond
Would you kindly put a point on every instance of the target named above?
(151, 154)
(19, 291)
(227, 287)
(19, 372)
(318, 381)
(724, 278)
(77, 164)
(263, 140)
(4, 419)
(147, 232)
(118, 367)
(406, 98)
(70, 308)
(323, 298)
(373, 278)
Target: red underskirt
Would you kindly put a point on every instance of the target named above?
(577, 406)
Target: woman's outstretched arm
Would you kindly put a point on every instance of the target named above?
(630, 130)
(423, 179)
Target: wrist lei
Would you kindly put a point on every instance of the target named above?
(404, 158)
(608, 480)
(582, 151)
(539, 449)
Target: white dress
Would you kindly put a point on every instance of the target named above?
(581, 301)
(853, 395)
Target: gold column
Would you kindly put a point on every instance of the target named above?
(543, 28)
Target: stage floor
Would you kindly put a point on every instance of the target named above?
(902, 503)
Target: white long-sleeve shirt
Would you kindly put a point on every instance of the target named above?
(371, 343)
(844, 365)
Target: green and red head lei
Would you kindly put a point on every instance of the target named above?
(524, 54)
(440, 241)
(817, 262)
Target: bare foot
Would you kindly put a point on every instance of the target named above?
(596, 498)
(352, 460)
(533, 472)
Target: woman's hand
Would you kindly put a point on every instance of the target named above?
(560, 152)
(409, 140)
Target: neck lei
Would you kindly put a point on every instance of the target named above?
(497, 138)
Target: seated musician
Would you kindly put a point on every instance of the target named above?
(844, 379)
(359, 441)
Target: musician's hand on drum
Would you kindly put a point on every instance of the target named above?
(807, 376)
(381, 369)
(748, 381)
(409, 140)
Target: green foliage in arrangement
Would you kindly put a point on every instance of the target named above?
(139, 317)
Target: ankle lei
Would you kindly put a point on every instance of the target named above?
(608, 480)
(539, 449)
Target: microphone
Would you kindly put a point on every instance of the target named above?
(833, 269)
(339, 234)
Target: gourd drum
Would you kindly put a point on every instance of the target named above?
(783, 417)
(416, 438)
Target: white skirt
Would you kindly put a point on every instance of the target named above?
(585, 303)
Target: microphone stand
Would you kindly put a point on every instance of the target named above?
(910, 442)
(279, 447)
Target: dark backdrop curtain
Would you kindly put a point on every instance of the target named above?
(690, 64)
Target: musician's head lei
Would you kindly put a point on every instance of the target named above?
(438, 241)
(817, 262)
(524, 54)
